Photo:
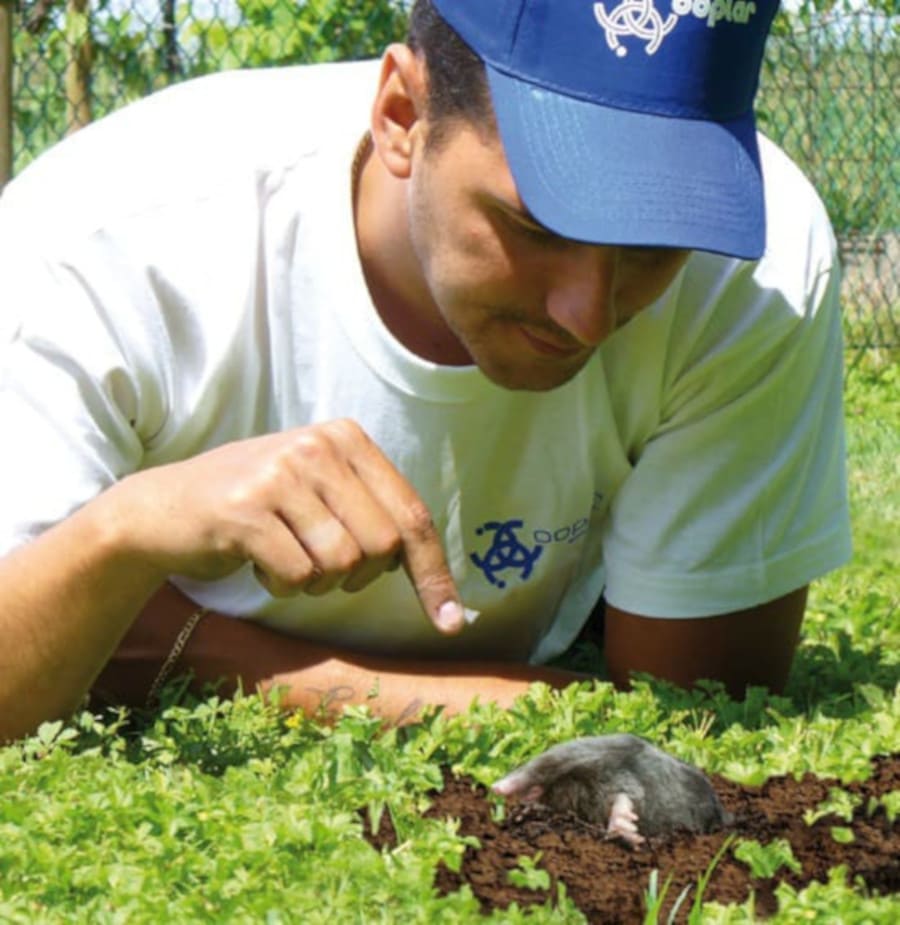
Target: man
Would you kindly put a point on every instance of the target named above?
(528, 338)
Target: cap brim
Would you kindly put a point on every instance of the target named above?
(612, 176)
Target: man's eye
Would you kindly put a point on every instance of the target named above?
(652, 254)
(533, 232)
(642, 253)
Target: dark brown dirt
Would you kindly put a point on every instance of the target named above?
(606, 879)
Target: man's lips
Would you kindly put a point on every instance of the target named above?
(548, 347)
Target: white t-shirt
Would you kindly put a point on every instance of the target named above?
(184, 273)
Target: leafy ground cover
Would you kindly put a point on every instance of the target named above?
(229, 811)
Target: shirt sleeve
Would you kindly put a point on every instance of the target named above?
(738, 495)
(69, 399)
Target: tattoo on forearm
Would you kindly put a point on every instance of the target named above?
(410, 711)
(334, 696)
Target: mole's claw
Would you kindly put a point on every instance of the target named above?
(623, 820)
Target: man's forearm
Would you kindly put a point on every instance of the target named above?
(66, 599)
(314, 678)
(751, 647)
(398, 690)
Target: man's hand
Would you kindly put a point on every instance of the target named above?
(313, 509)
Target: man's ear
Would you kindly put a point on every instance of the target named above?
(398, 113)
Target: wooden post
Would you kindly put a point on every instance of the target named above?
(170, 54)
(6, 100)
(78, 69)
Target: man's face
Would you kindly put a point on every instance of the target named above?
(528, 307)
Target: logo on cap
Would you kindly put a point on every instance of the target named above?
(640, 19)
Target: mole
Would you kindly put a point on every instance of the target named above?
(622, 782)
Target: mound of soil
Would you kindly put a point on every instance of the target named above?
(606, 879)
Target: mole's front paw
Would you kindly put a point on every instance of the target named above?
(623, 821)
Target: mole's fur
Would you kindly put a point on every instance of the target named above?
(586, 775)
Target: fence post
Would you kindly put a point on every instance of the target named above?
(6, 101)
(78, 69)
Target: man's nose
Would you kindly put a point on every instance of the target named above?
(581, 297)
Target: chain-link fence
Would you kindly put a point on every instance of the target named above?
(830, 95)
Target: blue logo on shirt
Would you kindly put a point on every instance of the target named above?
(506, 552)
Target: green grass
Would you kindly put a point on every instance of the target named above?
(852, 629)
(229, 811)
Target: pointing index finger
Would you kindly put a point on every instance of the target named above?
(422, 554)
(426, 566)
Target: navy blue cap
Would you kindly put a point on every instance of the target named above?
(629, 121)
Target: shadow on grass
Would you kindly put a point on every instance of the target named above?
(828, 678)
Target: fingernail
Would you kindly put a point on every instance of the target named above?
(450, 617)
